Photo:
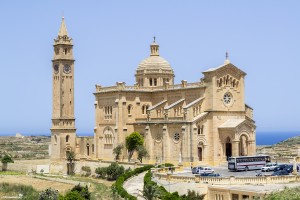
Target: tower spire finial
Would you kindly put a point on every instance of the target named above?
(63, 28)
(154, 39)
(226, 58)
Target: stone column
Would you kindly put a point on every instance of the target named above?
(165, 146)
(149, 142)
(235, 148)
(204, 151)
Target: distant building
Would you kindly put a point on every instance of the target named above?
(201, 123)
(19, 135)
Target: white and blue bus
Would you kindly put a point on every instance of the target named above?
(247, 162)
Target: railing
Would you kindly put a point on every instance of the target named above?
(232, 180)
(122, 86)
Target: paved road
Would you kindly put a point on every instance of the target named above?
(224, 172)
(134, 186)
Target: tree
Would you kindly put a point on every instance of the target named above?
(192, 195)
(142, 152)
(132, 142)
(70, 158)
(118, 151)
(6, 159)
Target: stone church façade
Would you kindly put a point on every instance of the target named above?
(201, 123)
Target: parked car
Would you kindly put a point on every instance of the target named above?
(206, 170)
(210, 175)
(195, 170)
(280, 173)
(269, 167)
(289, 168)
(280, 167)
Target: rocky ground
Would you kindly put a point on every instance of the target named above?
(25, 147)
(287, 149)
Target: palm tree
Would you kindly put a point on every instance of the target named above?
(150, 192)
(70, 165)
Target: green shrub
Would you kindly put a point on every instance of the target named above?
(287, 193)
(83, 191)
(87, 170)
(72, 195)
(48, 194)
(101, 172)
(113, 171)
(165, 165)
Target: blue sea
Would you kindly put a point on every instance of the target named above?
(262, 138)
(269, 138)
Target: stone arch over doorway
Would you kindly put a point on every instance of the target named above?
(244, 144)
(201, 150)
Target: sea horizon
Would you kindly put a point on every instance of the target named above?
(262, 137)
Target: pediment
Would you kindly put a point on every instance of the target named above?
(226, 69)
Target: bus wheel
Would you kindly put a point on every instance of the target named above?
(246, 168)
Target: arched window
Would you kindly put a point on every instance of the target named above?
(55, 139)
(67, 138)
(66, 51)
(144, 109)
(155, 82)
(108, 135)
(150, 81)
(88, 149)
(129, 108)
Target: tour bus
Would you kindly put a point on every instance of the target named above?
(248, 162)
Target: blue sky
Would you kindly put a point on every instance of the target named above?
(112, 37)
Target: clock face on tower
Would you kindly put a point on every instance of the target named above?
(56, 69)
(67, 69)
(227, 99)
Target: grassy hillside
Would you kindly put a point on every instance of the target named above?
(290, 141)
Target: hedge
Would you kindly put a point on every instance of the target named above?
(118, 185)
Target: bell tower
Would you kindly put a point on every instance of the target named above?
(63, 131)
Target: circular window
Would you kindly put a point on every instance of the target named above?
(227, 99)
(176, 137)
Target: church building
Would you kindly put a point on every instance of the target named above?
(203, 122)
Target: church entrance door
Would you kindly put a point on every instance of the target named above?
(200, 153)
(228, 150)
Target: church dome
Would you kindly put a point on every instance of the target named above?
(154, 62)
(154, 70)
